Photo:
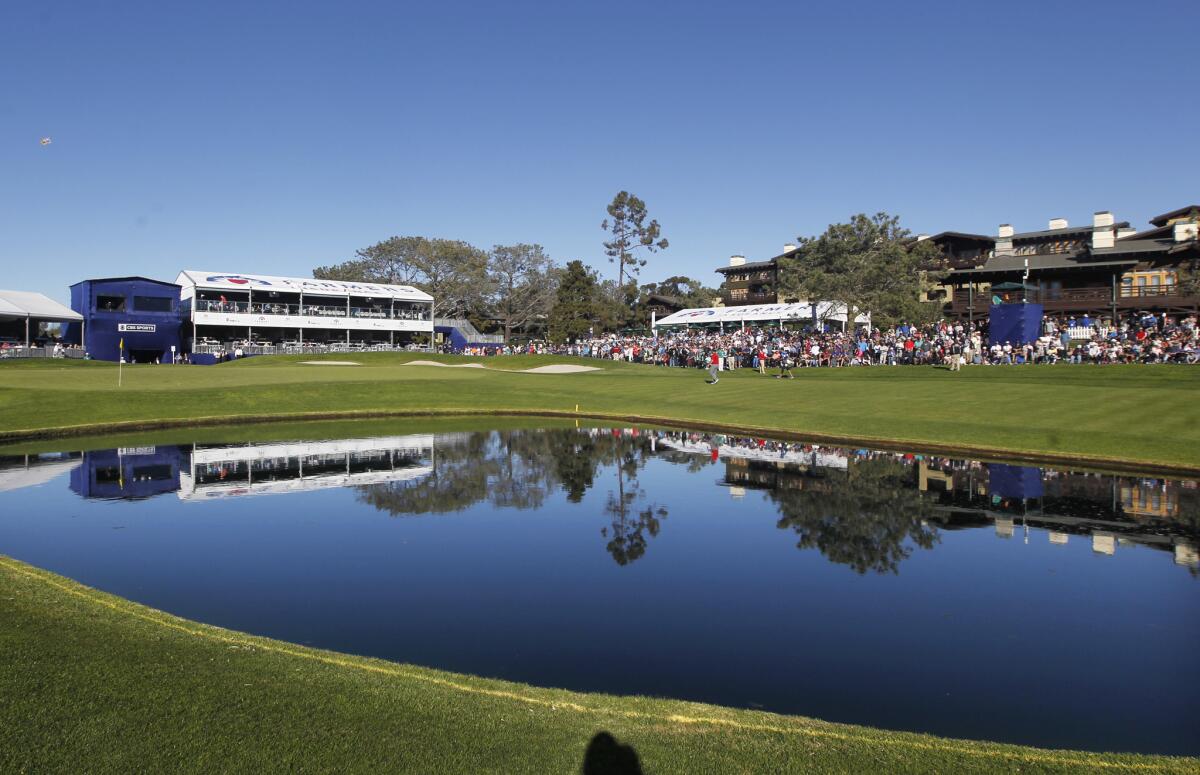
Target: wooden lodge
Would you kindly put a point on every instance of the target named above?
(1104, 269)
(752, 283)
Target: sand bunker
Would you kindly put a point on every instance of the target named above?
(558, 368)
(561, 368)
(329, 363)
(445, 365)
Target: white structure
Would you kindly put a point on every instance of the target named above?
(263, 308)
(758, 314)
(27, 307)
(304, 466)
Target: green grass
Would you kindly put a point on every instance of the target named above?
(1135, 415)
(95, 683)
(91, 681)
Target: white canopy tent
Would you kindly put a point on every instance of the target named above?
(28, 306)
(804, 311)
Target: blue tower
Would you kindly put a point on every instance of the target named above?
(144, 313)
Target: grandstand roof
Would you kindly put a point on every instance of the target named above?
(19, 305)
(823, 310)
(227, 281)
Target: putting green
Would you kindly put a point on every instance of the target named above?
(1114, 416)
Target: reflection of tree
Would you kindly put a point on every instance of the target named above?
(862, 518)
(519, 469)
(462, 468)
(632, 519)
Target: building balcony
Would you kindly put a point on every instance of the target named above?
(736, 298)
(1080, 300)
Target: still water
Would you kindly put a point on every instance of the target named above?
(954, 597)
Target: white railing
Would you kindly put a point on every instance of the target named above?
(308, 348)
(21, 351)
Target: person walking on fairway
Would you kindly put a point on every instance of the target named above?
(714, 364)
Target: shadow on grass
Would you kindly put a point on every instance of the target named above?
(605, 756)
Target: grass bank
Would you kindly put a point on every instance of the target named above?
(95, 682)
(1144, 416)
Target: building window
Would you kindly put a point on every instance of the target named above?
(152, 303)
(110, 303)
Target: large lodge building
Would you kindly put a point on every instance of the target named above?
(1103, 269)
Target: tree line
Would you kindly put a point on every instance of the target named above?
(520, 289)
(870, 264)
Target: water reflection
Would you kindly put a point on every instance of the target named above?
(511, 553)
(867, 510)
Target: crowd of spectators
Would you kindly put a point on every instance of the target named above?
(1136, 339)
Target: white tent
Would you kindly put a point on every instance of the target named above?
(821, 311)
(27, 306)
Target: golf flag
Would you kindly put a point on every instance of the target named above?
(121, 345)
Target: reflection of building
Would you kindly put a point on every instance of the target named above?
(303, 466)
(20, 471)
(766, 451)
(743, 474)
(198, 471)
(129, 472)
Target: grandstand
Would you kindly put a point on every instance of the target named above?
(296, 313)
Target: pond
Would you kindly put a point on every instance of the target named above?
(905, 591)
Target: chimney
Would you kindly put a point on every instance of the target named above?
(1103, 233)
(1058, 223)
(1004, 242)
(1185, 231)
(737, 260)
(788, 247)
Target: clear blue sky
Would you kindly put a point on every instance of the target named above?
(275, 137)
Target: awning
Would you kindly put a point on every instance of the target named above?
(192, 279)
(26, 305)
(798, 311)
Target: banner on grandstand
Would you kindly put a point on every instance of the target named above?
(822, 311)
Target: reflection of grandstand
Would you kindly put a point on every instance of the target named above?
(20, 471)
(765, 451)
(303, 466)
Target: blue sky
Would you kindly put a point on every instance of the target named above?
(283, 136)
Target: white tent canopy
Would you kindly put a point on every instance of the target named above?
(192, 279)
(23, 305)
(821, 311)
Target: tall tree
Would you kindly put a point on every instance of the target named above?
(632, 237)
(870, 264)
(392, 261)
(524, 281)
(455, 274)
(452, 271)
(577, 303)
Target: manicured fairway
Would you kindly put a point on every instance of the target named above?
(1110, 415)
(95, 683)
